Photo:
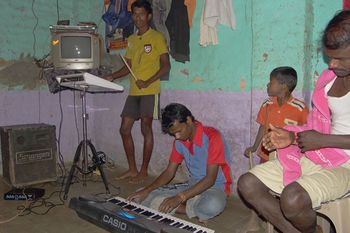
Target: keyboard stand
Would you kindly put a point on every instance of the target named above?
(82, 150)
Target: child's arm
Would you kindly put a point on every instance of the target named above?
(257, 142)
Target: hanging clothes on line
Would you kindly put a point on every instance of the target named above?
(191, 6)
(117, 16)
(215, 12)
(161, 9)
(179, 31)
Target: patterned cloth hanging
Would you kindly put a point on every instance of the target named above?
(117, 16)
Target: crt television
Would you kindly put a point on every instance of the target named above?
(75, 50)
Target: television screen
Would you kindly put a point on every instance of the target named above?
(75, 50)
(75, 47)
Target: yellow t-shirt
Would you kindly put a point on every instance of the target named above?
(144, 52)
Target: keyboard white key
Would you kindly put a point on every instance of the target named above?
(88, 82)
(155, 215)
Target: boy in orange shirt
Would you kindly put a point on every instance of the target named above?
(280, 109)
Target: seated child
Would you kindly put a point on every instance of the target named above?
(280, 109)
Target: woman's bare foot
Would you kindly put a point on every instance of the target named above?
(127, 174)
(138, 179)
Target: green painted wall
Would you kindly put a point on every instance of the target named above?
(23, 22)
(269, 33)
(219, 67)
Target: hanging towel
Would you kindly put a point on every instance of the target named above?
(215, 12)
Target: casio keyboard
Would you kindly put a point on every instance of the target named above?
(88, 82)
(121, 216)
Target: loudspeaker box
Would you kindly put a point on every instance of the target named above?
(29, 154)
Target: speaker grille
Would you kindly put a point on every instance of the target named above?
(29, 154)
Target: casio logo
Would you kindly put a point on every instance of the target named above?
(114, 222)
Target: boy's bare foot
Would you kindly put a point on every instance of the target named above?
(127, 174)
(138, 179)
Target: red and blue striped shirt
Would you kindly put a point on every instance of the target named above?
(208, 147)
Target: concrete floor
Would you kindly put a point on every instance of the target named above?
(63, 219)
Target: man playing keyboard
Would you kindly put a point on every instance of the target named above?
(208, 161)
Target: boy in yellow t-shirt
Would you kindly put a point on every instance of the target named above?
(147, 56)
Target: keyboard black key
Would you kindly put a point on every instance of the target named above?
(115, 201)
(122, 203)
(147, 213)
(157, 217)
(175, 224)
(139, 210)
(129, 207)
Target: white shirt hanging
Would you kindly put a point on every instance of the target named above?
(215, 12)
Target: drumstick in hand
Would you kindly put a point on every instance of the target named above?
(127, 65)
(251, 160)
